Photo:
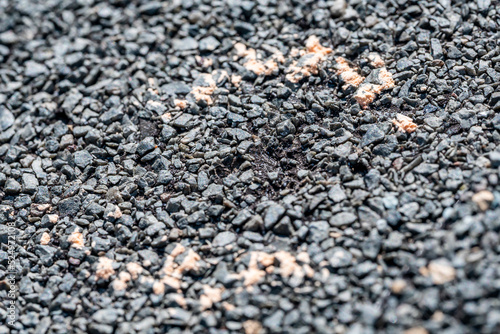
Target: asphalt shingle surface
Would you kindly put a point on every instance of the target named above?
(250, 166)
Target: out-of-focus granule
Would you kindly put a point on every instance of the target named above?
(375, 60)
(172, 273)
(483, 199)
(181, 104)
(242, 51)
(416, 330)
(104, 268)
(236, 80)
(252, 327)
(308, 64)
(398, 286)
(205, 92)
(210, 296)
(76, 240)
(121, 282)
(440, 271)
(134, 269)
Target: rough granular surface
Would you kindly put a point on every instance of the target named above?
(251, 167)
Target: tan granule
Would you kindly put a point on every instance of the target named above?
(235, 80)
(367, 93)
(441, 272)
(423, 271)
(253, 274)
(258, 67)
(220, 75)
(172, 282)
(43, 207)
(294, 52)
(242, 51)
(180, 300)
(309, 67)
(375, 60)
(205, 93)
(398, 286)
(227, 306)
(316, 53)
(348, 74)
(278, 56)
(153, 91)
(104, 268)
(210, 296)
(158, 288)
(252, 327)
(182, 104)
(134, 269)
(386, 77)
(45, 239)
(343, 65)
(335, 235)
(255, 66)
(288, 264)
(438, 316)
(207, 62)
(351, 78)
(173, 273)
(168, 266)
(404, 123)
(308, 270)
(146, 280)
(271, 66)
(325, 273)
(313, 46)
(178, 250)
(121, 282)
(483, 199)
(303, 257)
(265, 259)
(190, 262)
(53, 218)
(115, 214)
(166, 117)
(251, 53)
(76, 240)
(416, 330)
(119, 285)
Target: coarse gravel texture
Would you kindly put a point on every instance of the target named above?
(203, 166)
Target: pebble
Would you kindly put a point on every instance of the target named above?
(273, 213)
(224, 239)
(373, 135)
(6, 118)
(12, 187)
